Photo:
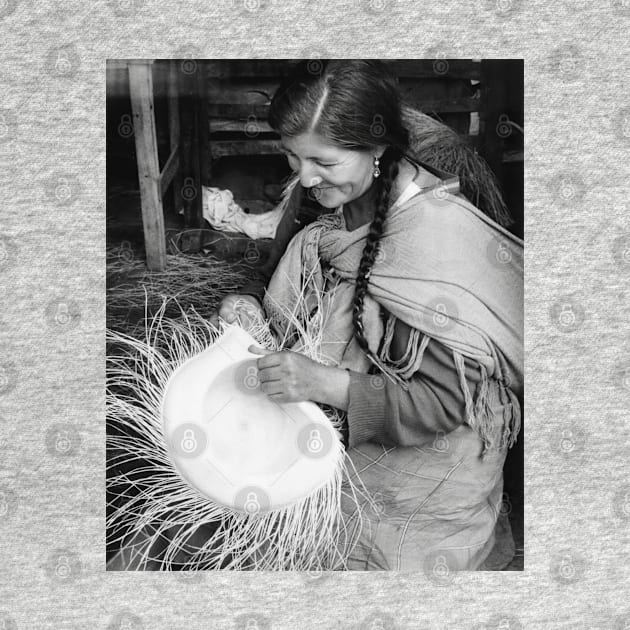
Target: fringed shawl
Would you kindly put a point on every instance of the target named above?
(443, 268)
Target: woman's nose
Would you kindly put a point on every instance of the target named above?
(308, 177)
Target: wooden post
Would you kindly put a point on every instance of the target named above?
(494, 107)
(204, 129)
(141, 92)
(174, 132)
(189, 119)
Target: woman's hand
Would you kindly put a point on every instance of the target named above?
(291, 377)
(239, 307)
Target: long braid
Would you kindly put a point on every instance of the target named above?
(389, 173)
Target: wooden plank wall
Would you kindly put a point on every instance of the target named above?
(238, 95)
(232, 102)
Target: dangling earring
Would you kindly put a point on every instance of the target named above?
(377, 170)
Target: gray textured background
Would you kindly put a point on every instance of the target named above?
(52, 250)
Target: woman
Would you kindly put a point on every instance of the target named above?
(423, 343)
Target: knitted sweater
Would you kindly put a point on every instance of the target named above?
(380, 410)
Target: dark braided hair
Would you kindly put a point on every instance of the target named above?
(354, 104)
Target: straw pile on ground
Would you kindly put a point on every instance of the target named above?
(135, 294)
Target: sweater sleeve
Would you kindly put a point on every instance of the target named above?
(384, 412)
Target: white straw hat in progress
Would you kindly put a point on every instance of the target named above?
(222, 476)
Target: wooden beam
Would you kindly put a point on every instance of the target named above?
(491, 143)
(259, 112)
(190, 168)
(169, 171)
(174, 132)
(413, 68)
(220, 148)
(141, 93)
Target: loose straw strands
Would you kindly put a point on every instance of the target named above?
(440, 146)
(163, 523)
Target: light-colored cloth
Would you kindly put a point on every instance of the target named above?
(453, 275)
(223, 213)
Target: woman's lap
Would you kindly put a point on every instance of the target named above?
(437, 500)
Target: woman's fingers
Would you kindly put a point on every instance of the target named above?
(272, 388)
(258, 350)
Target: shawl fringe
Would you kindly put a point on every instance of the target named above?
(479, 414)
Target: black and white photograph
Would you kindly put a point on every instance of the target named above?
(315, 319)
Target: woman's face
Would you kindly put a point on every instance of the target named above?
(335, 175)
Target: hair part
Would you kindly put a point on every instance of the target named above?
(353, 104)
